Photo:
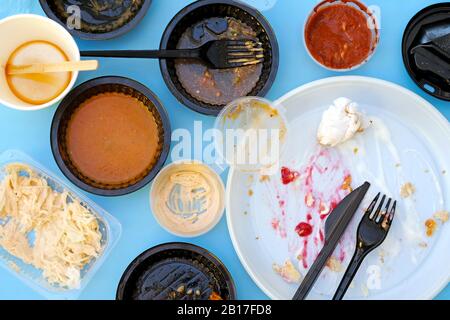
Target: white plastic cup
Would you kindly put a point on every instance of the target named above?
(19, 29)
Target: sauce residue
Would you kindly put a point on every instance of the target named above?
(339, 36)
(113, 138)
(38, 88)
(188, 198)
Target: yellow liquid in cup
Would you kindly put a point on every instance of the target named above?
(38, 88)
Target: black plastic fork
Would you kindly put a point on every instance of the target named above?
(372, 231)
(218, 54)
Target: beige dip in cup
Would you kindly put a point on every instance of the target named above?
(18, 30)
(187, 198)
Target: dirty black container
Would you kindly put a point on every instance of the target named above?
(100, 19)
(176, 271)
(205, 9)
(85, 91)
(427, 26)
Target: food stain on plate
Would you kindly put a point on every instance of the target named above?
(187, 198)
(113, 139)
(303, 199)
(38, 88)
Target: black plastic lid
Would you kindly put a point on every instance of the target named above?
(99, 19)
(425, 27)
(176, 271)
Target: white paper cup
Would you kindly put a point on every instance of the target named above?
(19, 29)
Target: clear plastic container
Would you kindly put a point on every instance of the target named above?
(109, 227)
(250, 135)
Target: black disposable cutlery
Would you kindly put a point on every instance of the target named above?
(372, 231)
(219, 54)
(434, 56)
(335, 226)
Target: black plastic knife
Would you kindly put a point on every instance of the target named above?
(335, 226)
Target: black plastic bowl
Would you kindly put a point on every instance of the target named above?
(80, 94)
(204, 9)
(157, 272)
(113, 28)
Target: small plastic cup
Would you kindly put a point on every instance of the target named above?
(250, 134)
(19, 29)
(371, 20)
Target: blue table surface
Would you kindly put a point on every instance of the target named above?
(29, 131)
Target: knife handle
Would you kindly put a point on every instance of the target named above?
(313, 273)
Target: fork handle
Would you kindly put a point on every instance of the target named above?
(149, 54)
(350, 273)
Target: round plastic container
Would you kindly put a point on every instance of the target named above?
(203, 9)
(371, 20)
(72, 102)
(184, 203)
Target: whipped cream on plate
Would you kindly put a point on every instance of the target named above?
(340, 122)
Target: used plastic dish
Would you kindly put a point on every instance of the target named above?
(412, 131)
(110, 229)
(372, 24)
(187, 198)
(81, 94)
(204, 9)
(20, 29)
(96, 20)
(176, 271)
(250, 134)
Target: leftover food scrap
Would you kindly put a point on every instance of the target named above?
(45, 228)
(432, 224)
(340, 123)
(288, 272)
(441, 216)
(431, 227)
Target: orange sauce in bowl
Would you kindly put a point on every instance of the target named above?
(38, 88)
(338, 35)
(113, 138)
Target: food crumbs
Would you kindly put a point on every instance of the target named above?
(431, 226)
(334, 264)
(355, 150)
(250, 192)
(264, 178)
(288, 272)
(407, 190)
(442, 216)
(347, 185)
